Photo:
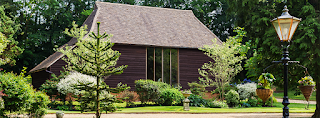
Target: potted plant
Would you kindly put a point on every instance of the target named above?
(264, 86)
(306, 85)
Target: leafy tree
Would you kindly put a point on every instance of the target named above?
(9, 49)
(226, 62)
(93, 56)
(42, 25)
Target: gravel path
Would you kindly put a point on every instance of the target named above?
(164, 115)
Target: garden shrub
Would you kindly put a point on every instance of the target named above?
(170, 95)
(244, 104)
(246, 90)
(70, 83)
(158, 92)
(50, 85)
(21, 97)
(232, 98)
(129, 97)
(197, 100)
(255, 102)
(226, 90)
(147, 90)
(39, 104)
(1, 103)
(217, 104)
(196, 88)
(268, 102)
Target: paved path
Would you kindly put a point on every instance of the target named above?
(165, 115)
(297, 101)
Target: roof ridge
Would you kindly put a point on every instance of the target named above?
(151, 7)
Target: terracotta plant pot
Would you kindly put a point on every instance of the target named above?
(306, 91)
(264, 94)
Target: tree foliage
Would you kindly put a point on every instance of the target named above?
(254, 16)
(226, 62)
(9, 49)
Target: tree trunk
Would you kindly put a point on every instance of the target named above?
(317, 111)
(98, 99)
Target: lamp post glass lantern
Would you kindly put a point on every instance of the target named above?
(285, 26)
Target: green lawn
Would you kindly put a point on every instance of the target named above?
(294, 108)
(292, 96)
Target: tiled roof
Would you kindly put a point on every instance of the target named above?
(141, 25)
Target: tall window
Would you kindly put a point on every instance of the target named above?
(162, 65)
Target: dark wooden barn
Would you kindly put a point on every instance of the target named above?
(160, 44)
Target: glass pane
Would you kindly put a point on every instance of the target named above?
(285, 28)
(294, 27)
(166, 65)
(174, 67)
(158, 64)
(150, 52)
(277, 28)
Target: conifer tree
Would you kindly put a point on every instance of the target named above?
(94, 56)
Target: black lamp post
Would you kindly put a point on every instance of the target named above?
(285, 26)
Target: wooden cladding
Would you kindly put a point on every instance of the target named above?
(190, 61)
(38, 78)
(134, 57)
(57, 66)
(182, 68)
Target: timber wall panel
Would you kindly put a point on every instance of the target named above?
(57, 67)
(38, 78)
(134, 57)
(190, 61)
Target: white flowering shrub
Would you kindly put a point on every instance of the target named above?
(246, 90)
(69, 84)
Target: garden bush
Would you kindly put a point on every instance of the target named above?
(226, 90)
(244, 104)
(21, 97)
(50, 86)
(268, 102)
(71, 82)
(129, 97)
(232, 98)
(217, 104)
(170, 95)
(198, 101)
(246, 90)
(149, 90)
(196, 88)
(253, 102)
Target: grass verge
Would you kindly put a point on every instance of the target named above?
(292, 96)
(294, 108)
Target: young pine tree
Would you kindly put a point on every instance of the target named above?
(94, 56)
